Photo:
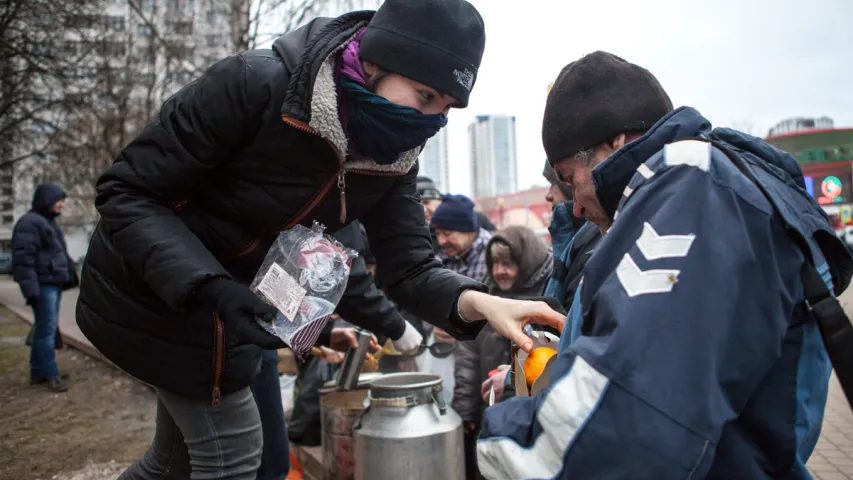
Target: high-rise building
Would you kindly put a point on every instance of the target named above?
(493, 155)
(434, 161)
(151, 52)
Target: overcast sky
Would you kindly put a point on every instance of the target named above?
(742, 63)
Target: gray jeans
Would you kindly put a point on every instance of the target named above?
(198, 441)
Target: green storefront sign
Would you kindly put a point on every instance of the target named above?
(825, 154)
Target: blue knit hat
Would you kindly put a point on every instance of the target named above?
(455, 213)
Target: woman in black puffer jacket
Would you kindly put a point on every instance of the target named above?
(325, 126)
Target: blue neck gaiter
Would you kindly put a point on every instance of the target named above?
(383, 130)
(562, 229)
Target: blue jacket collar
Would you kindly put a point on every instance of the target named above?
(613, 174)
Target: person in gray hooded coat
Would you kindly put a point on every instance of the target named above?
(518, 266)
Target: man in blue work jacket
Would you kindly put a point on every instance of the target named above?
(697, 357)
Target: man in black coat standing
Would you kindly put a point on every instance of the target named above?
(41, 266)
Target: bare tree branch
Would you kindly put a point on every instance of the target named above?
(274, 18)
(74, 91)
(254, 24)
(170, 48)
(35, 70)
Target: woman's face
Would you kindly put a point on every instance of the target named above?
(409, 93)
(504, 272)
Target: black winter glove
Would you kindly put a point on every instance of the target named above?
(239, 309)
(33, 301)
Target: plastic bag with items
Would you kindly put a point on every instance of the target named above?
(304, 276)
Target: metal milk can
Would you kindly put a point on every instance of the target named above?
(408, 432)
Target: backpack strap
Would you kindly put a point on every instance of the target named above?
(835, 328)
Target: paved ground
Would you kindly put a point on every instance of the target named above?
(105, 416)
(10, 296)
(832, 460)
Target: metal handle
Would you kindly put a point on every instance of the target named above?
(353, 361)
(357, 424)
(439, 400)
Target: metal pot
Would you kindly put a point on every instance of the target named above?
(408, 432)
(339, 410)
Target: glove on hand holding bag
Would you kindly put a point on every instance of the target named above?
(239, 309)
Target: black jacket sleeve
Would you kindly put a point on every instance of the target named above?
(26, 240)
(414, 279)
(363, 304)
(196, 129)
(366, 306)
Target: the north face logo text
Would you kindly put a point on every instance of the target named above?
(464, 78)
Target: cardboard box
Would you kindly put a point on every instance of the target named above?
(519, 356)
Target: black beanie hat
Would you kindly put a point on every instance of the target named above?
(596, 98)
(455, 213)
(427, 189)
(551, 175)
(438, 43)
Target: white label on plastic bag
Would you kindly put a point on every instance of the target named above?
(282, 290)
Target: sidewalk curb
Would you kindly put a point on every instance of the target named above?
(86, 348)
(27, 315)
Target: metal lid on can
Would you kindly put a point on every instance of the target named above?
(395, 384)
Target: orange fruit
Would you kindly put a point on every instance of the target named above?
(535, 363)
